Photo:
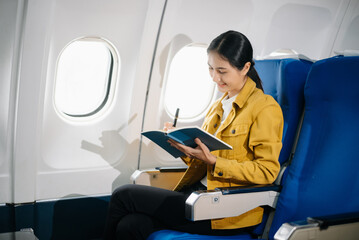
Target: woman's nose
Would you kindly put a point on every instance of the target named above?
(215, 77)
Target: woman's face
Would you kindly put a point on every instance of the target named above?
(228, 78)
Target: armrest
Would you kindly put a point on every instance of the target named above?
(172, 169)
(164, 177)
(229, 202)
(251, 188)
(341, 226)
(25, 233)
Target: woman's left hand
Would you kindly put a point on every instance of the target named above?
(201, 152)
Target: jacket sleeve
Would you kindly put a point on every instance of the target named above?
(265, 141)
(187, 160)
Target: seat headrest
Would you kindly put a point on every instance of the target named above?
(347, 53)
(336, 76)
(284, 53)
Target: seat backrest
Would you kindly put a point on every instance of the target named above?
(323, 178)
(284, 80)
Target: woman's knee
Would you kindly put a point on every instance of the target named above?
(119, 197)
(129, 191)
(122, 190)
(127, 188)
(128, 195)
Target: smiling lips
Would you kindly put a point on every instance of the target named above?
(221, 84)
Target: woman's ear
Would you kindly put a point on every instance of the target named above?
(246, 68)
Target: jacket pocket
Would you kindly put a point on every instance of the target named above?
(236, 136)
(235, 130)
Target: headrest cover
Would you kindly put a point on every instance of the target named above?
(347, 53)
(284, 54)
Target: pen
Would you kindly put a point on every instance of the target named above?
(176, 117)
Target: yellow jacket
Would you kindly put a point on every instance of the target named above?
(254, 129)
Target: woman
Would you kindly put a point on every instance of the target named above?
(245, 118)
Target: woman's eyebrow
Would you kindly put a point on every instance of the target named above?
(217, 67)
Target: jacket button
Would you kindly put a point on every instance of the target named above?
(215, 125)
(233, 131)
(220, 174)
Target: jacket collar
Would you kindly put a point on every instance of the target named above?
(244, 94)
(240, 100)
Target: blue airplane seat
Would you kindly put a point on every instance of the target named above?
(284, 80)
(323, 177)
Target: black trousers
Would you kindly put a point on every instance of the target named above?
(136, 211)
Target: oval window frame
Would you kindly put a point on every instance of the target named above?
(112, 76)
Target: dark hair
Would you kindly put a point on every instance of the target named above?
(236, 48)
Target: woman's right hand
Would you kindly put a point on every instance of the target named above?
(168, 126)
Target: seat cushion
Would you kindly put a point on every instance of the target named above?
(173, 235)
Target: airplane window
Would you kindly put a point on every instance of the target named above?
(84, 77)
(189, 85)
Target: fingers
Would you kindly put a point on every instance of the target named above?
(178, 145)
(168, 126)
(201, 152)
(188, 151)
(203, 147)
(209, 158)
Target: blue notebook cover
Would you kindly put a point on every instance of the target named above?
(186, 136)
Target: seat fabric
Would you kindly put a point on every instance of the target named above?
(175, 235)
(323, 178)
(284, 80)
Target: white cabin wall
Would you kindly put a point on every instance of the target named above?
(11, 23)
(112, 143)
(30, 102)
(348, 34)
(308, 27)
(55, 157)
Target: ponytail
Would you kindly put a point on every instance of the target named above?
(252, 73)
